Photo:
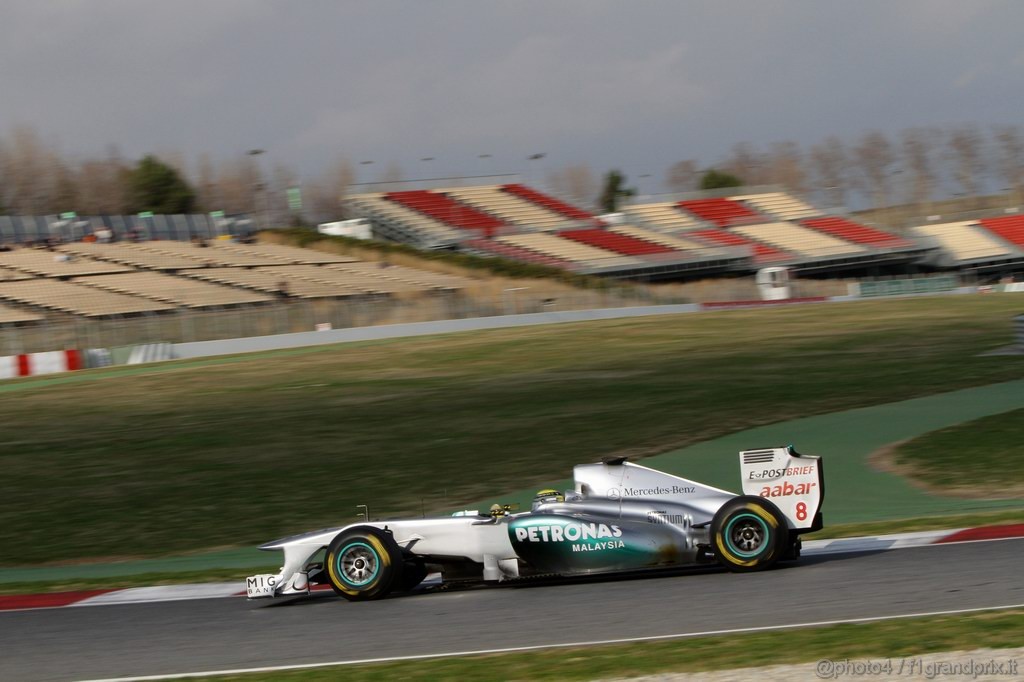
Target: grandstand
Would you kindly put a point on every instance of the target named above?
(970, 245)
(77, 299)
(509, 207)
(798, 240)
(178, 291)
(778, 205)
(402, 224)
(665, 216)
(722, 211)
(55, 264)
(1008, 228)
(273, 281)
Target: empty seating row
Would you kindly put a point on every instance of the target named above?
(964, 240)
(663, 215)
(179, 291)
(9, 274)
(271, 281)
(416, 226)
(722, 212)
(800, 240)
(135, 255)
(779, 205)
(507, 206)
(762, 252)
(286, 254)
(400, 273)
(498, 248)
(548, 202)
(567, 249)
(444, 208)
(614, 241)
(9, 315)
(77, 299)
(56, 264)
(672, 242)
(214, 254)
(359, 282)
(855, 232)
(1010, 228)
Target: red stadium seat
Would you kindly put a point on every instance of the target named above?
(854, 232)
(619, 243)
(762, 252)
(447, 210)
(723, 212)
(1010, 228)
(548, 202)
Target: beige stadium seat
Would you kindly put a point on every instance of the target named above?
(791, 237)
(77, 299)
(567, 249)
(49, 264)
(352, 280)
(270, 280)
(136, 255)
(212, 255)
(402, 273)
(287, 254)
(964, 240)
(779, 205)
(508, 207)
(376, 203)
(662, 215)
(673, 242)
(179, 291)
(10, 315)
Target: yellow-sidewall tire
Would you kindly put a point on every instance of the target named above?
(749, 534)
(363, 563)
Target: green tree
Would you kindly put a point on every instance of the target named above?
(613, 190)
(714, 179)
(159, 188)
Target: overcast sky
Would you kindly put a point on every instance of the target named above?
(634, 84)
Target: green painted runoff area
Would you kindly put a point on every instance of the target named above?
(854, 491)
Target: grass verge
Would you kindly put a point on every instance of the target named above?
(233, 453)
(890, 638)
(983, 457)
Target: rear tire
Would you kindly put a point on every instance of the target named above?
(749, 534)
(363, 563)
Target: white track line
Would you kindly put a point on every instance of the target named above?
(538, 647)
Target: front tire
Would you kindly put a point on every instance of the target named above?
(363, 563)
(749, 534)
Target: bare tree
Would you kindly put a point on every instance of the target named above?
(746, 163)
(207, 191)
(324, 196)
(874, 158)
(966, 149)
(1010, 157)
(783, 165)
(576, 183)
(918, 147)
(683, 176)
(830, 166)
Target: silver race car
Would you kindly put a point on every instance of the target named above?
(618, 517)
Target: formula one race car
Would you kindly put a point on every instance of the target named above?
(619, 517)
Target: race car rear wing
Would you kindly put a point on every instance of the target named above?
(795, 483)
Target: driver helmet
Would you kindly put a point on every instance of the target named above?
(547, 495)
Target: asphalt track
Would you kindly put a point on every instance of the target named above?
(231, 633)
